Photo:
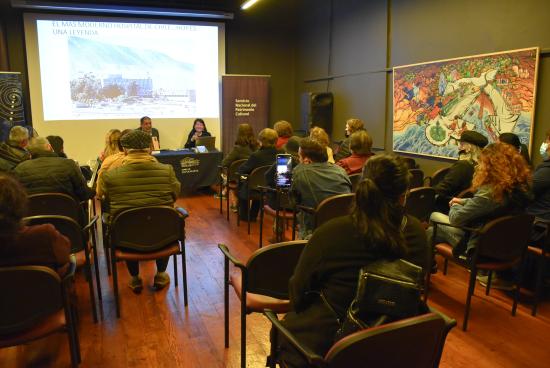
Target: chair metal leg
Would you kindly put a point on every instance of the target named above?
(517, 284)
(243, 324)
(227, 202)
(184, 273)
(248, 211)
(445, 266)
(115, 283)
(489, 280)
(220, 195)
(226, 301)
(96, 265)
(175, 270)
(471, 287)
(261, 220)
(88, 270)
(428, 278)
(70, 321)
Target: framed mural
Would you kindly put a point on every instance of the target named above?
(434, 102)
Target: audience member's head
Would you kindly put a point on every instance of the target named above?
(312, 151)
(136, 141)
(503, 169)
(283, 129)
(292, 146)
(319, 134)
(471, 144)
(57, 144)
(378, 212)
(511, 139)
(39, 144)
(245, 136)
(122, 134)
(353, 125)
(13, 207)
(111, 143)
(19, 136)
(361, 143)
(267, 137)
(199, 125)
(146, 124)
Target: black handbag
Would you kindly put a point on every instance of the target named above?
(387, 290)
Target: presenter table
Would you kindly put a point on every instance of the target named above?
(193, 170)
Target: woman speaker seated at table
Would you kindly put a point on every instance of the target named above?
(199, 130)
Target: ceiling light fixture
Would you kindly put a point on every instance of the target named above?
(247, 4)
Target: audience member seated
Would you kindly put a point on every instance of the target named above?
(14, 150)
(352, 126)
(20, 245)
(111, 144)
(284, 131)
(461, 172)
(199, 130)
(146, 125)
(513, 140)
(291, 147)
(111, 162)
(330, 263)
(140, 181)
(265, 155)
(46, 172)
(360, 145)
(57, 145)
(541, 183)
(314, 180)
(501, 183)
(245, 144)
(321, 136)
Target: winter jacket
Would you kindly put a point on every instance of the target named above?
(11, 155)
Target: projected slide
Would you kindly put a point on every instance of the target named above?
(112, 70)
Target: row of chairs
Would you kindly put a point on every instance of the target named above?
(41, 305)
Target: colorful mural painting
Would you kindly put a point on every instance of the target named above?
(434, 102)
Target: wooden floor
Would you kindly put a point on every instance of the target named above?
(156, 330)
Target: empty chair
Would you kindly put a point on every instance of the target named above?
(255, 179)
(412, 342)
(420, 203)
(261, 284)
(80, 247)
(35, 304)
(501, 246)
(145, 234)
(417, 179)
(329, 208)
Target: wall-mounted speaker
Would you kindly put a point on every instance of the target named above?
(316, 110)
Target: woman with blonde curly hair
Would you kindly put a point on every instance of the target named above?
(501, 187)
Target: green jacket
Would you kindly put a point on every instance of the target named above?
(46, 172)
(11, 155)
(140, 181)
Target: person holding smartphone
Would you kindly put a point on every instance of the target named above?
(199, 130)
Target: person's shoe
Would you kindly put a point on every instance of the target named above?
(496, 283)
(161, 280)
(217, 196)
(136, 284)
(233, 208)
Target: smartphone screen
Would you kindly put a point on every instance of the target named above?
(284, 171)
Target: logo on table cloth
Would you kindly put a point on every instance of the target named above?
(189, 165)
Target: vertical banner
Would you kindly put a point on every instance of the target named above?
(12, 110)
(245, 99)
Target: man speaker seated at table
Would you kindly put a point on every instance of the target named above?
(141, 181)
(146, 125)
